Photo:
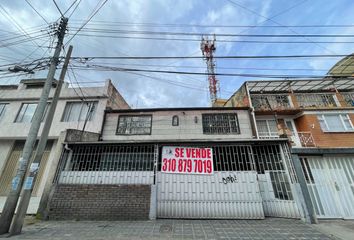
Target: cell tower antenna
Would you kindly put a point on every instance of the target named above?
(208, 47)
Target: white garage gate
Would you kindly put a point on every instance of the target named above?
(249, 182)
(330, 181)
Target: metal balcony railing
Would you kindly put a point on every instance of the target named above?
(270, 102)
(315, 100)
(307, 139)
(348, 98)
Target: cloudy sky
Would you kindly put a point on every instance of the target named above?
(110, 33)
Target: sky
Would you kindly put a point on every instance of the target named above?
(155, 90)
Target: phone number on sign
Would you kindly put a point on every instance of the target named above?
(187, 165)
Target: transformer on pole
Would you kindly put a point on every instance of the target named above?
(208, 47)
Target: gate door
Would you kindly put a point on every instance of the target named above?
(276, 187)
(330, 181)
(231, 192)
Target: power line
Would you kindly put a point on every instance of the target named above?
(169, 25)
(89, 58)
(111, 68)
(219, 40)
(56, 5)
(106, 30)
(87, 21)
(271, 19)
(36, 11)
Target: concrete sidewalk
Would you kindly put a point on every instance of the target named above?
(340, 229)
(270, 228)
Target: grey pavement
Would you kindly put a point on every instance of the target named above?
(342, 229)
(270, 228)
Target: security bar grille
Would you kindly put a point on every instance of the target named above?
(221, 123)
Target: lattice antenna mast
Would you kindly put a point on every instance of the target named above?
(208, 47)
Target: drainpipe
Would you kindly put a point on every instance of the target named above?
(252, 114)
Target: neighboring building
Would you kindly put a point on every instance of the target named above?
(317, 117)
(122, 175)
(17, 106)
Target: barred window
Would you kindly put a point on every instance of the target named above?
(220, 123)
(134, 125)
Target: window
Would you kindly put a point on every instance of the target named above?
(2, 110)
(175, 120)
(79, 111)
(267, 128)
(221, 123)
(27, 111)
(134, 125)
(335, 123)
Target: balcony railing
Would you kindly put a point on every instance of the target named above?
(306, 139)
(268, 135)
(348, 98)
(270, 102)
(315, 100)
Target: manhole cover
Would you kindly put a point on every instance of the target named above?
(166, 228)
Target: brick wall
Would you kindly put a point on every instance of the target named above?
(100, 202)
(324, 139)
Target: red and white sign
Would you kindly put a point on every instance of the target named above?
(187, 160)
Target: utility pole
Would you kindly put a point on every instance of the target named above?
(30, 181)
(17, 182)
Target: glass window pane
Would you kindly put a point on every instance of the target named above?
(334, 123)
(2, 110)
(26, 113)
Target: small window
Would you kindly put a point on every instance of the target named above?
(335, 123)
(134, 125)
(79, 111)
(2, 110)
(27, 111)
(221, 123)
(267, 128)
(175, 120)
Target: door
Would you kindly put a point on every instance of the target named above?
(294, 136)
(231, 192)
(331, 186)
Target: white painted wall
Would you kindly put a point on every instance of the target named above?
(14, 98)
(162, 128)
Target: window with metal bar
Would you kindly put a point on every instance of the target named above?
(79, 111)
(220, 123)
(110, 158)
(134, 125)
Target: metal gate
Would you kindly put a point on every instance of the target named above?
(276, 184)
(249, 182)
(330, 180)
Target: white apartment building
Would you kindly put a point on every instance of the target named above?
(76, 106)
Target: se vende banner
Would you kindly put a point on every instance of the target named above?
(187, 160)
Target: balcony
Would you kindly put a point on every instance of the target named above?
(306, 139)
(349, 99)
(270, 102)
(316, 100)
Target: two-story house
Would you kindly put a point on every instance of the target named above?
(76, 108)
(317, 116)
(175, 163)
